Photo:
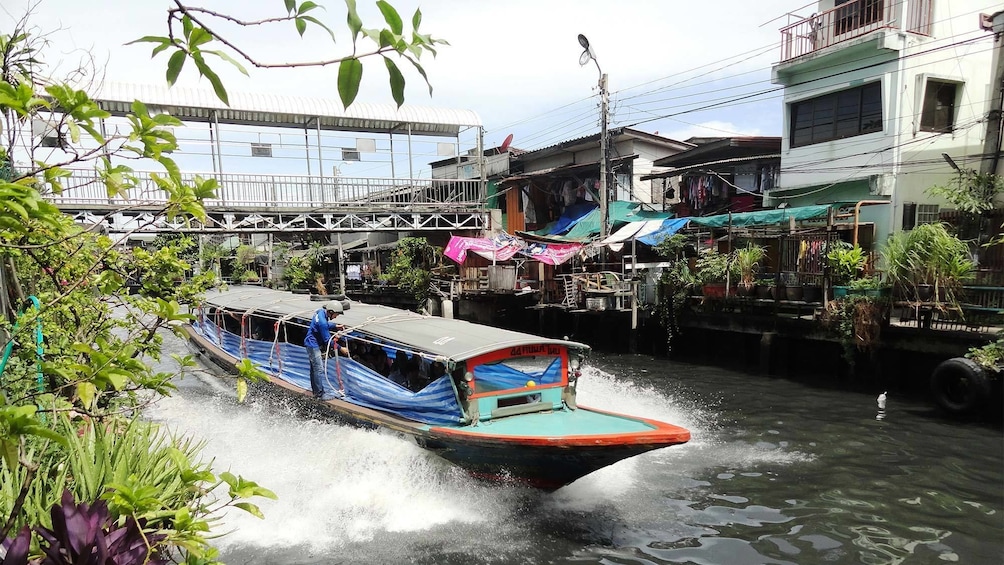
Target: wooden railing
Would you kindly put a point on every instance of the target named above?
(854, 19)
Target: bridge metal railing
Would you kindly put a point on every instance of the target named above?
(241, 190)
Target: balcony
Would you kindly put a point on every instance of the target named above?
(851, 20)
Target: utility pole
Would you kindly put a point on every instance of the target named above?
(604, 154)
(992, 142)
(589, 55)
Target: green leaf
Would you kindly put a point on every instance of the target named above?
(306, 7)
(396, 81)
(391, 16)
(301, 25)
(186, 24)
(250, 509)
(350, 74)
(199, 36)
(86, 392)
(221, 92)
(387, 38)
(318, 22)
(290, 6)
(416, 20)
(231, 60)
(151, 39)
(421, 71)
(242, 389)
(355, 23)
(174, 65)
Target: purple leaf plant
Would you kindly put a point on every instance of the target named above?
(84, 534)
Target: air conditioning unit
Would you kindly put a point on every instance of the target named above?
(350, 155)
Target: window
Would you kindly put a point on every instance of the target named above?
(927, 214)
(837, 115)
(853, 14)
(938, 112)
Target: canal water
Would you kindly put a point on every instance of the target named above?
(777, 472)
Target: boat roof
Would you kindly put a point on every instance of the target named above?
(456, 340)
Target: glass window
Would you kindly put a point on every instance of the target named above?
(514, 373)
(927, 214)
(837, 115)
(938, 112)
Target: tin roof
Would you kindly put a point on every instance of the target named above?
(274, 110)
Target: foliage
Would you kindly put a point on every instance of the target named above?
(858, 322)
(928, 255)
(210, 256)
(297, 271)
(676, 283)
(244, 256)
(66, 413)
(671, 247)
(85, 534)
(971, 191)
(866, 283)
(989, 356)
(162, 269)
(411, 265)
(190, 37)
(846, 262)
(714, 267)
(747, 263)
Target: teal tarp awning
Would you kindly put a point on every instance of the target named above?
(619, 212)
(763, 217)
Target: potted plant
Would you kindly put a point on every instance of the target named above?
(792, 287)
(866, 286)
(747, 264)
(928, 263)
(846, 263)
(713, 269)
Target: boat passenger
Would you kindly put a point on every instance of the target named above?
(413, 375)
(398, 368)
(318, 337)
(380, 364)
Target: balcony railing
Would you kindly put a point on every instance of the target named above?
(854, 19)
(236, 191)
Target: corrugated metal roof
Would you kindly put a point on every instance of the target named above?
(454, 339)
(192, 104)
(589, 140)
(681, 170)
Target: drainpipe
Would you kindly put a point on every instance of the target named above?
(857, 214)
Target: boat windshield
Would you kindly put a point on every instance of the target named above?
(516, 372)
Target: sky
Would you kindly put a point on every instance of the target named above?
(515, 63)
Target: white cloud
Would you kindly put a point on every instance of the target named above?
(507, 61)
(711, 128)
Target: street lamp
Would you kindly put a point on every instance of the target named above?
(587, 55)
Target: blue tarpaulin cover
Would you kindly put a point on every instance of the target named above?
(669, 227)
(500, 376)
(434, 404)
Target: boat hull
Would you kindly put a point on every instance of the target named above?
(545, 461)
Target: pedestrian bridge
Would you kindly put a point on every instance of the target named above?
(262, 203)
(267, 203)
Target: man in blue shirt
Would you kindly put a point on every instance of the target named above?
(318, 337)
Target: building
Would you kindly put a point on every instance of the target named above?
(718, 175)
(882, 100)
(544, 182)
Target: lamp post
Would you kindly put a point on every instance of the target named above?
(587, 55)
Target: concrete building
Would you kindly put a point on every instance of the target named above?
(876, 94)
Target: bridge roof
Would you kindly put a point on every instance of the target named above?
(273, 110)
